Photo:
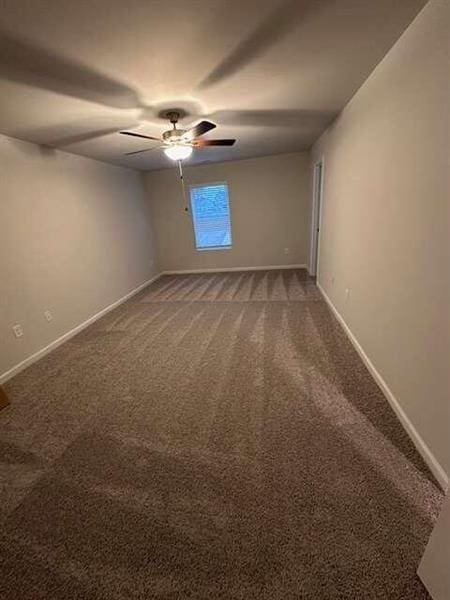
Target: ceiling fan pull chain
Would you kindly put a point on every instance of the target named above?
(183, 188)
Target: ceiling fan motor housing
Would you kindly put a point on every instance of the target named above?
(173, 135)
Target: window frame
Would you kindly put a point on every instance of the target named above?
(194, 238)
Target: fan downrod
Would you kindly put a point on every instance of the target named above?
(173, 115)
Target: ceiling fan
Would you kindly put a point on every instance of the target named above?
(178, 143)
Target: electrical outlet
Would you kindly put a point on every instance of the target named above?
(287, 250)
(48, 315)
(18, 331)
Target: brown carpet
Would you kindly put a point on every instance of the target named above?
(215, 437)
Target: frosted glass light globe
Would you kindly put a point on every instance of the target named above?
(178, 152)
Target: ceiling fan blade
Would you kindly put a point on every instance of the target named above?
(202, 143)
(25, 62)
(199, 129)
(140, 135)
(140, 151)
(277, 24)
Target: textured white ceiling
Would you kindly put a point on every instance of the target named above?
(269, 73)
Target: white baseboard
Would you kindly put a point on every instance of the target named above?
(419, 443)
(227, 269)
(43, 351)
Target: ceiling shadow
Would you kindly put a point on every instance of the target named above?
(278, 24)
(274, 118)
(65, 134)
(25, 62)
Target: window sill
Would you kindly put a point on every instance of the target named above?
(214, 248)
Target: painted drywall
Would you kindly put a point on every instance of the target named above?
(270, 207)
(75, 237)
(242, 63)
(385, 223)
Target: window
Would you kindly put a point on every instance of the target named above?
(211, 216)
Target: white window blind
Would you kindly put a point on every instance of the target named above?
(211, 215)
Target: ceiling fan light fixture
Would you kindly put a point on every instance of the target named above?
(178, 151)
(178, 143)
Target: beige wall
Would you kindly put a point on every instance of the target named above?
(269, 199)
(75, 237)
(385, 228)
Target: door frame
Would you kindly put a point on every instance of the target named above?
(316, 215)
